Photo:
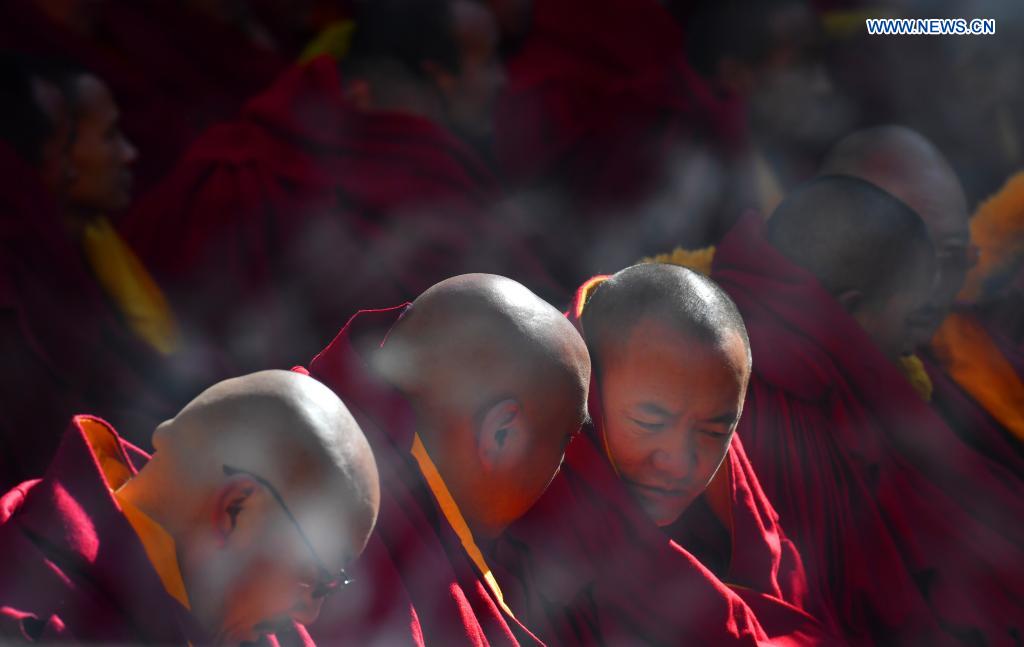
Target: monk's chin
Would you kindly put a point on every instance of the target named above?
(663, 509)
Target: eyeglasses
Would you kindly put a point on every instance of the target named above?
(327, 582)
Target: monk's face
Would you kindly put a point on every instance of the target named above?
(943, 207)
(472, 93)
(263, 575)
(893, 321)
(670, 407)
(101, 155)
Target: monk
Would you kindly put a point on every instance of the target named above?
(970, 382)
(904, 539)
(66, 345)
(468, 397)
(261, 491)
(334, 191)
(657, 507)
(600, 108)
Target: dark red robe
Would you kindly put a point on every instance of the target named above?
(415, 583)
(589, 567)
(74, 568)
(599, 102)
(65, 348)
(907, 535)
(970, 420)
(304, 209)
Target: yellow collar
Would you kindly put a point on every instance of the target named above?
(454, 515)
(157, 542)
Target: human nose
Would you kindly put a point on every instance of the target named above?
(676, 458)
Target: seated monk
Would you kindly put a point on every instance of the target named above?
(657, 507)
(905, 538)
(336, 188)
(969, 379)
(67, 347)
(468, 397)
(260, 492)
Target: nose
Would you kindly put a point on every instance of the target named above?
(307, 609)
(676, 459)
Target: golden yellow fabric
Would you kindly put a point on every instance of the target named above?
(997, 229)
(454, 515)
(913, 370)
(334, 40)
(698, 260)
(158, 544)
(974, 361)
(128, 284)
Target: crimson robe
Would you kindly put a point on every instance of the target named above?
(415, 583)
(907, 534)
(599, 103)
(74, 568)
(304, 209)
(587, 566)
(65, 348)
(970, 419)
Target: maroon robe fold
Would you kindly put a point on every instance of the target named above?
(74, 568)
(599, 107)
(305, 209)
(907, 534)
(970, 420)
(589, 567)
(415, 584)
(65, 349)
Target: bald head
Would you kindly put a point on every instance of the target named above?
(268, 488)
(680, 298)
(908, 166)
(499, 379)
(868, 249)
(291, 430)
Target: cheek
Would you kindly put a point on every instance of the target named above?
(629, 451)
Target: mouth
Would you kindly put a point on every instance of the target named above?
(658, 491)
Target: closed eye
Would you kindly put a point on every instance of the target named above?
(648, 425)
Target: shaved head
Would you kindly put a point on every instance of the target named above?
(863, 245)
(265, 482)
(683, 299)
(908, 166)
(499, 378)
(673, 363)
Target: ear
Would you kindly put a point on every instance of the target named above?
(851, 300)
(502, 431)
(232, 501)
(360, 94)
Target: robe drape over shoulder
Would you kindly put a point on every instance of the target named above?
(74, 568)
(304, 209)
(587, 566)
(415, 584)
(907, 534)
(65, 348)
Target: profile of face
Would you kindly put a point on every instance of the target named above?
(893, 321)
(945, 213)
(471, 93)
(670, 405)
(101, 156)
(264, 563)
